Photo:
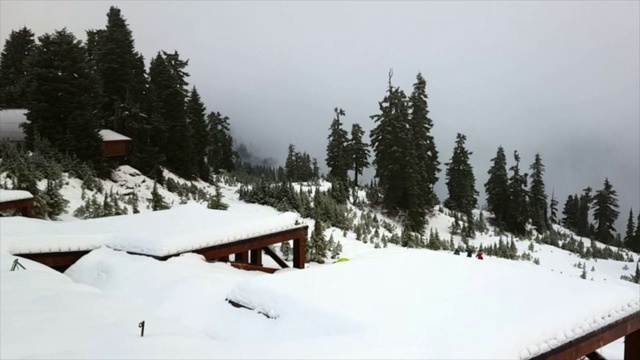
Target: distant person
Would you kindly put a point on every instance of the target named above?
(456, 252)
(480, 255)
(469, 253)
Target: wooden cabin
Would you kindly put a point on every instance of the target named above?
(116, 147)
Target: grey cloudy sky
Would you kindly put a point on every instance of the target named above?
(559, 78)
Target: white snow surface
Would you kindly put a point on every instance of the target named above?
(13, 195)
(160, 233)
(384, 303)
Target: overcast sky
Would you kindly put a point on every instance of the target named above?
(558, 78)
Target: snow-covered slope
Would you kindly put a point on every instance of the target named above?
(386, 302)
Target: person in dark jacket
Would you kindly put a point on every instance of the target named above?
(469, 253)
(456, 251)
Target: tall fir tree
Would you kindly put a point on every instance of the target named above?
(167, 89)
(423, 143)
(337, 159)
(538, 199)
(629, 235)
(636, 241)
(519, 212)
(199, 134)
(461, 180)
(220, 154)
(358, 152)
(553, 209)
(118, 68)
(63, 94)
(390, 140)
(605, 212)
(584, 205)
(13, 69)
(497, 188)
(570, 212)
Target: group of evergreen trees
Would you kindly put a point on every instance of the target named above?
(73, 89)
(405, 155)
(511, 200)
(604, 204)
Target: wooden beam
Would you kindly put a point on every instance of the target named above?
(275, 257)
(592, 341)
(243, 266)
(256, 257)
(242, 257)
(595, 356)
(59, 261)
(299, 251)
(259, 242)
(632, 346)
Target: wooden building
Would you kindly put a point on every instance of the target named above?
(116, 147)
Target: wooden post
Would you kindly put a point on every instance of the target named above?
(632, 346)
(256, 257)
(242, 257)
(299, 252)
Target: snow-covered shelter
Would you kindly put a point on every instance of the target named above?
(16, 200)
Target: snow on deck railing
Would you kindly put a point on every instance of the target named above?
(577, 330)
(13, 195)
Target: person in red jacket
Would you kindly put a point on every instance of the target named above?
(480, 255)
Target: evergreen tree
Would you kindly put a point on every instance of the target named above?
(423, 143)
(63, 93)
(460, 180)
(605, 214)
(519, 201)
(337, 150)
(584, 205)
(359, 152)
(553, 209)
(167, 89)
(636, 243)
(220, 154)
(629, 235)
(13, 70)
(390, 140)
(199, 134)
(538, 198)
(317, 247)
(118, 68)
(157, 200)
(497, 188)
(570, 212)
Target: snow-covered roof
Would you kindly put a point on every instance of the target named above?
(10, 120)
(110, 135)
(160, 233)
(13, 195)
(435, 305)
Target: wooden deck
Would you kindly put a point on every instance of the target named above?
(247, 252)
(25, 206)
(588, 344)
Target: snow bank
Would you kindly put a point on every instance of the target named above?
(13, 195)
(452, 307)
(160, 233)
(46, 315)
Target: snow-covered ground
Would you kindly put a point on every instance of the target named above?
(383, 303)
